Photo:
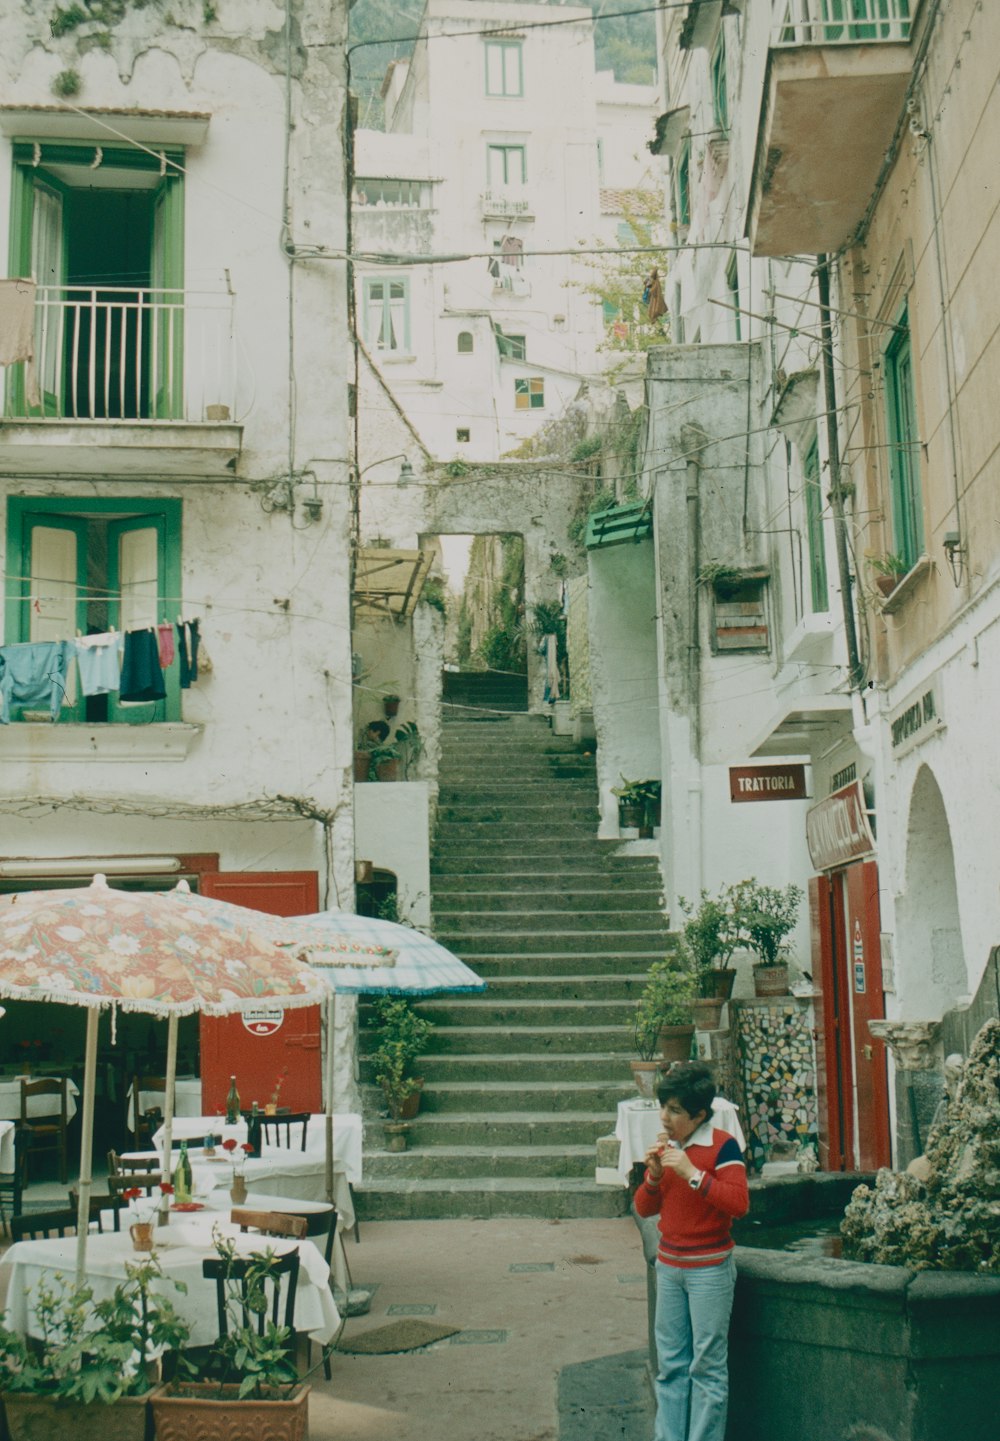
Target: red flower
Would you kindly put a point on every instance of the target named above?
(229, 1145)
(166, 1188)
(246, 1146)
(132, 1194)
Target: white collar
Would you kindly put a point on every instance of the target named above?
(701, 1137)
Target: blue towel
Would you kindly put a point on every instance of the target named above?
(33, 675)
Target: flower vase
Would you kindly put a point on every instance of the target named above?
(238, 1190)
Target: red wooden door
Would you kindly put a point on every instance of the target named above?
(834, 1078)
(867, 1004)
(258, 1048)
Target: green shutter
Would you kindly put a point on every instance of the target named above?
(904, 448)
(814, 530)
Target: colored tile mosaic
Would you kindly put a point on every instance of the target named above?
(478, 1338)
(776, 1073)
(416, 1310)
(523, 1267)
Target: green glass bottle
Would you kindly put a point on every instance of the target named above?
(232, 1103)
(182, 1177)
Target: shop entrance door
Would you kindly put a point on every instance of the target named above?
(259, 1047)
(867, 1004)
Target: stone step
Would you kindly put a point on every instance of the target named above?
(556, 1198)
(555, 898)
(449, 885)
(531, 1040)
(500, 1096)
(469, 944)
(557, 829)
(462, 1162)
(507, 1066)
(614, 918)
(483, 1011)
(566, 815)
(492, 968)
(615, 870)
(509, 1128)
(601, 986)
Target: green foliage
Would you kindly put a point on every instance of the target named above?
(410, 744)
(586, 448)
(93, 1351)
(764, 916)
(401, 1037)
(260, 1362)
(617, 280)
(602, 499)
(711, 931)
(434, 594)
(67, 84)
(891, 565)
(455, 469)
(209, 12)
(63, 21)
(665, 1000)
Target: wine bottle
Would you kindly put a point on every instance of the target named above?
(232, 1103)
(254, 1129)
(183, 1177)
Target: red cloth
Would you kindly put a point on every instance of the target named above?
(695, 1225)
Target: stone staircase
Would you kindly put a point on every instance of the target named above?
(468, 695)
(522, 1078)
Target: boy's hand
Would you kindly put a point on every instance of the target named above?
(654, 1160)
(676, 1160)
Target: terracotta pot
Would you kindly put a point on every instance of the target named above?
(238, 1190)
(195, 1411)
(40, 1418)
(718, 983)
(770, 980)
(387, 770)
(270, 1108)
(707, 1012)
(887, 583)
(142, 1235)
(675, 1042)
(411, 1106)
(396, 1133)
(362, 764)
(645, 1075)
(391, 708)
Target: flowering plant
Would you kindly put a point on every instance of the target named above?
(237, 1153)
(142, 1208)
(277, 1087)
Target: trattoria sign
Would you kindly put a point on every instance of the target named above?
(837, 829)
(767, 783)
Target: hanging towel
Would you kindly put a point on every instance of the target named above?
(141, 677)
(17, 321)
(98, 659)
(655, 304)
(33, 675)
(165, 641)
(511, 250)
(552, 689)
(187, 649)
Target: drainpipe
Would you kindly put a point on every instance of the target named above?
(693, 441)
(837, 491)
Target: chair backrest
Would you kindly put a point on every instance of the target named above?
(282, 1269)
(42, 1225)
(271, 1223)
(44, 1086)
(278, 1129)
(146, 1181)
(111, 1202)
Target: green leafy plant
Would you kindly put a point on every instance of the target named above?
(94, 1351)
(410, 744)
(715, 570)
(63, 21)
(890, 565)
(665, 1000)
(260, 1362)
(433, 594)
(711, 931)
(765, 916)
(67, 84)
(378, 755)
(401, 1036)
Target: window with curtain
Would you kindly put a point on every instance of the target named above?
(387, 313)
(813, 496)
(904, 447)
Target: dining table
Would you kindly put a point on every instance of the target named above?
(638, 1125)
(187, 1100)
(10, 1099)
(7, 1153)
(180, 1247)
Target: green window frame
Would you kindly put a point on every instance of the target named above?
(100, 529)
(506, 165)
(733, 286)
(683, 185)
(386, 313)
(906, 497)
(59, 170)
(504, 68)
(529, 393)
(812, 490)
(720, 91)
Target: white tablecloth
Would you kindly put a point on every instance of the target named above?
(10, 1100)
(7, 1147)
(181, 1246)
(638, 1126)
(187, 1100)
(346, 1140)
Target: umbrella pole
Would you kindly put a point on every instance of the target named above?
(168, 1100)
(331, 1017)
(86, 1141)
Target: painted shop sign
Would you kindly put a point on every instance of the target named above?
(263, 1022)
(915, 720)
(837, 829)
(768, 783)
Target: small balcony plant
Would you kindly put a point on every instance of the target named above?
(766, 916)
(889, 571)
(639, 804)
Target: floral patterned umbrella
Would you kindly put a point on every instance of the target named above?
(103, 948)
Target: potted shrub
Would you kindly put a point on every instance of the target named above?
(383, 762)
(710, 935)
(401, 1037)
(889, 571)
(663, 1013)
(638, 805)
(86, 1378)
(390, 704)
(253, 1388)
(766, 915)
(410, 744)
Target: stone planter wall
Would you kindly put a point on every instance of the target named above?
(775, 1065)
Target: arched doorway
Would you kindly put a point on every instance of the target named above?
(931, 974)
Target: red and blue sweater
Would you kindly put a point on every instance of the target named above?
(695, 1225)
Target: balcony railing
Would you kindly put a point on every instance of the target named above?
(496, 202)
(116, 353)
(840, 22)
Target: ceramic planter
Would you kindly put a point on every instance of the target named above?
(675, 1042)
(196, 1411)
(644, 1074)
(630, 813)
(390, 706)
(396, 1133)
(41, 1418)
(718, 984)
(707, 1012)
(362, 765)
(770, 980)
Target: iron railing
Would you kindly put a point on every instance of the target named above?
(117, 353)
(840, 22)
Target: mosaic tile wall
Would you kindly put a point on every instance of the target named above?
(776, 1073)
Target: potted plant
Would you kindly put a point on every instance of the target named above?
(638, 805)
(253, 1388)
(401, 1037)
(889, 571)
(383, 762)
(766, 915)
(90, 1374)
(390, 704)
(410, 744)
(664, 1016)
(710, 935)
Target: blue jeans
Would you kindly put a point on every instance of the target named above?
(692, 1346)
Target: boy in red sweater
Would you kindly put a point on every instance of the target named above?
(696, 1182)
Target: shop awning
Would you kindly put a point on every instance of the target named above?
(389, 582)
(802, 724)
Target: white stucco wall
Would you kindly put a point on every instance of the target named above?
(392, 831)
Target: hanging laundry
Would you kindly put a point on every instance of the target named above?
(653, 296)
(549, 649)
(141, 677)
(98, 660)
(17, 321)
(493, 266)
(33, 675)
(187, 649)
(165, 641)
(511, 250)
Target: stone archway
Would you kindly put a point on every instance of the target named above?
(930, 962)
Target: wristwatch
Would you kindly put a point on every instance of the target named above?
(695, 1181)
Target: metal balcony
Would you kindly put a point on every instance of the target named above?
(836, 79)
(506, 204)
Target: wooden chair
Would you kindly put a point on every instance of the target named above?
(282, 1275)
(270, 1223)
(111, 1202)
(46, 1132)
(12, 1185)
(43, 1225)
(273, 1127)
(123, 1175)
(147, 1122)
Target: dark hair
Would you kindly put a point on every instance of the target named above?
(691, 1083)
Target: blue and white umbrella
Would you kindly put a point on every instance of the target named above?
(422, 965)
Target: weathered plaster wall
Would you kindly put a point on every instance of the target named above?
(392, 830)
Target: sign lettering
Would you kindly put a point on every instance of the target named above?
(837, 829)
(263, 1022)
(768, 783)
